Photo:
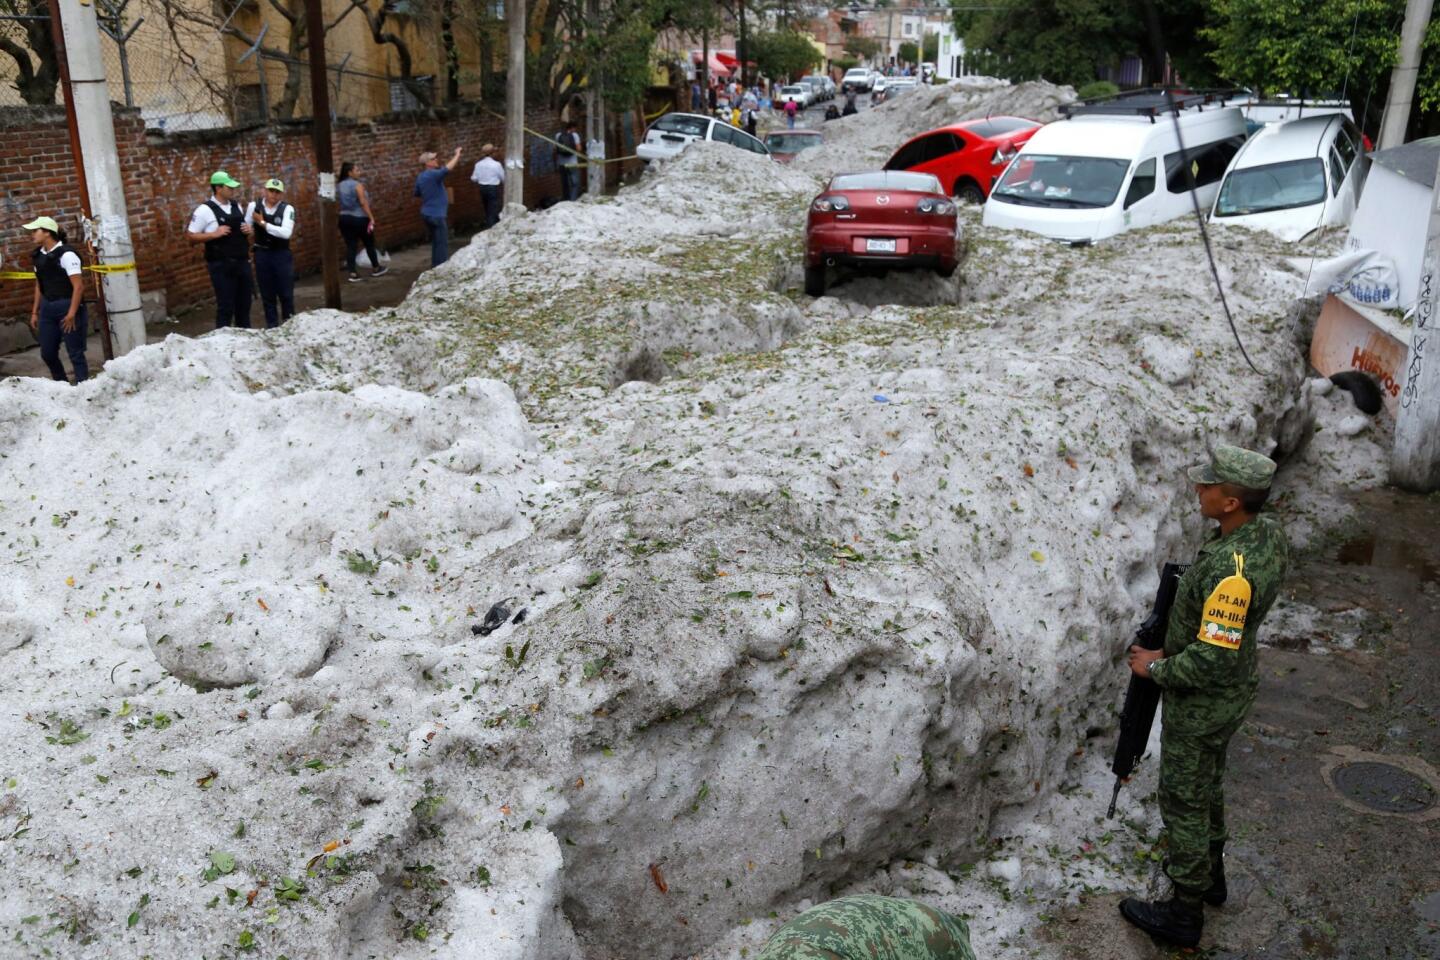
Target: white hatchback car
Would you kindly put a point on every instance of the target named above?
(1294, 177)
(672, 133)
(801, 93)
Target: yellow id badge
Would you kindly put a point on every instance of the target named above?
(1223, 622)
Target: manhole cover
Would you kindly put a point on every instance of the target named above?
(1380, 786)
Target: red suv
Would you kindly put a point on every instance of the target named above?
(968, 157)
(880, 220)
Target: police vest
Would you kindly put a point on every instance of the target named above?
(236, 246)
(54, 281)
(263, 238)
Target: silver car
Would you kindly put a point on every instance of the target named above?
(668, 137)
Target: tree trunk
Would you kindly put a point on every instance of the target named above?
(35, 82)
(294, 70)
(452, 53)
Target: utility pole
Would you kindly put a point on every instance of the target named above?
(324, 152)
(1415, 461)
(515, 106)
(1402, 78)
(102, 191)
(595, 117)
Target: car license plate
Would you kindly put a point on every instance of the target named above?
(880, 246)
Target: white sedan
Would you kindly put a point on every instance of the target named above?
(800, 93)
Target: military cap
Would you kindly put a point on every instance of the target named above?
(1244, 468)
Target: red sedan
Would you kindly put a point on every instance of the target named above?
(884, 220)
(968, 157)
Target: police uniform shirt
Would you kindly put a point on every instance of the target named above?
(203, 219)
(69, 262)
(280, 231)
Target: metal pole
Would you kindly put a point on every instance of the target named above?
(1402, 78)
(92, 137)
(324, 155)
(1415, 461)
(515, 105)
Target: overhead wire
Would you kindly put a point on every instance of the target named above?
(1158, 47)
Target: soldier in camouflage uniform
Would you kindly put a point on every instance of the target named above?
(869, 927)
(1208, 676)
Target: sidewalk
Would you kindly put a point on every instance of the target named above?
(199, 319)
(1348, 680)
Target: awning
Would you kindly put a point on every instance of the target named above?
(726, 59)
(717, 65)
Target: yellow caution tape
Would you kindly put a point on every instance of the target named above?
(93, 268)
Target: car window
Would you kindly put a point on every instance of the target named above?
(743, 139)
(999, 126)
(1354, 134)
(1142, 184)
(1346, 148)
(1206, 162)
(910, 155)
(1337, 171)
(725, 133)
(679, 123)
(1272, 186)
(886, 181)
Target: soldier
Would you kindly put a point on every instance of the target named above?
(1208, 676)
(868, 927)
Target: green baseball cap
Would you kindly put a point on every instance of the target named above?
(43, 223)
(275, 184)
(222, 179)
(1244, 468)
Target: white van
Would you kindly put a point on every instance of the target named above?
(1294, 177)
(1116, 165)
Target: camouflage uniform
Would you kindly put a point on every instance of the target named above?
(868, 927)
(1209, 686)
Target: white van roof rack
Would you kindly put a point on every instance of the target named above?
(1152, 102)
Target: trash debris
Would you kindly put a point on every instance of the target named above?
(520, 617)
(495, 618)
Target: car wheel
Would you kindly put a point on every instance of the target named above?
(968, 191)
(947, 272)
(815, 281)
(1363, 390)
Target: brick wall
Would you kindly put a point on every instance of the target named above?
(167, 176)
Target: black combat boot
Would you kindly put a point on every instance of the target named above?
(1217, 893)
(1176, 920)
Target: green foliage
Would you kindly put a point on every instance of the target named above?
(862, 48)
(1098, 88)
(908, 53)
(845, 63)
(1317, 47)
(930, 48)
(783, 53)
(1060, 40)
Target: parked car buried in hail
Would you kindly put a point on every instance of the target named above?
(968, 157)
(880, 220)
(672, 133)
(784, 144)
(1294, 177)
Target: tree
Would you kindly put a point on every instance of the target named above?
(37, 70)
(862, 48)
(930, 48)
(1317, 47)
(908, 53)
(784, 53)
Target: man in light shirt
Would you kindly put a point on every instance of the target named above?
(219, 223)
(273, 221)
(489, 175)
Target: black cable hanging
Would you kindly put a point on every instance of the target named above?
(1152, 22)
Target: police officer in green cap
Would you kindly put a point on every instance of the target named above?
(1208, 675)
(219, 223)
(869, 927)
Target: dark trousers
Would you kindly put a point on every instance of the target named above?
(275, 276)
(231, 280)
(439, 232)
(356, 230)
(570, 182)
(51, 335)
(490, 197)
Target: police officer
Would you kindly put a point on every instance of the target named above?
(868, 927)
(58, 313)
(273, 221)
(219, 223)
(1208, 675)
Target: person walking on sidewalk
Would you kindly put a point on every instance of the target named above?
(489, 176)
(357, 221)
(567, 157)
(219, 223)
(58, 313)
(435, 202)
(1208, 673)
(273, 221)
